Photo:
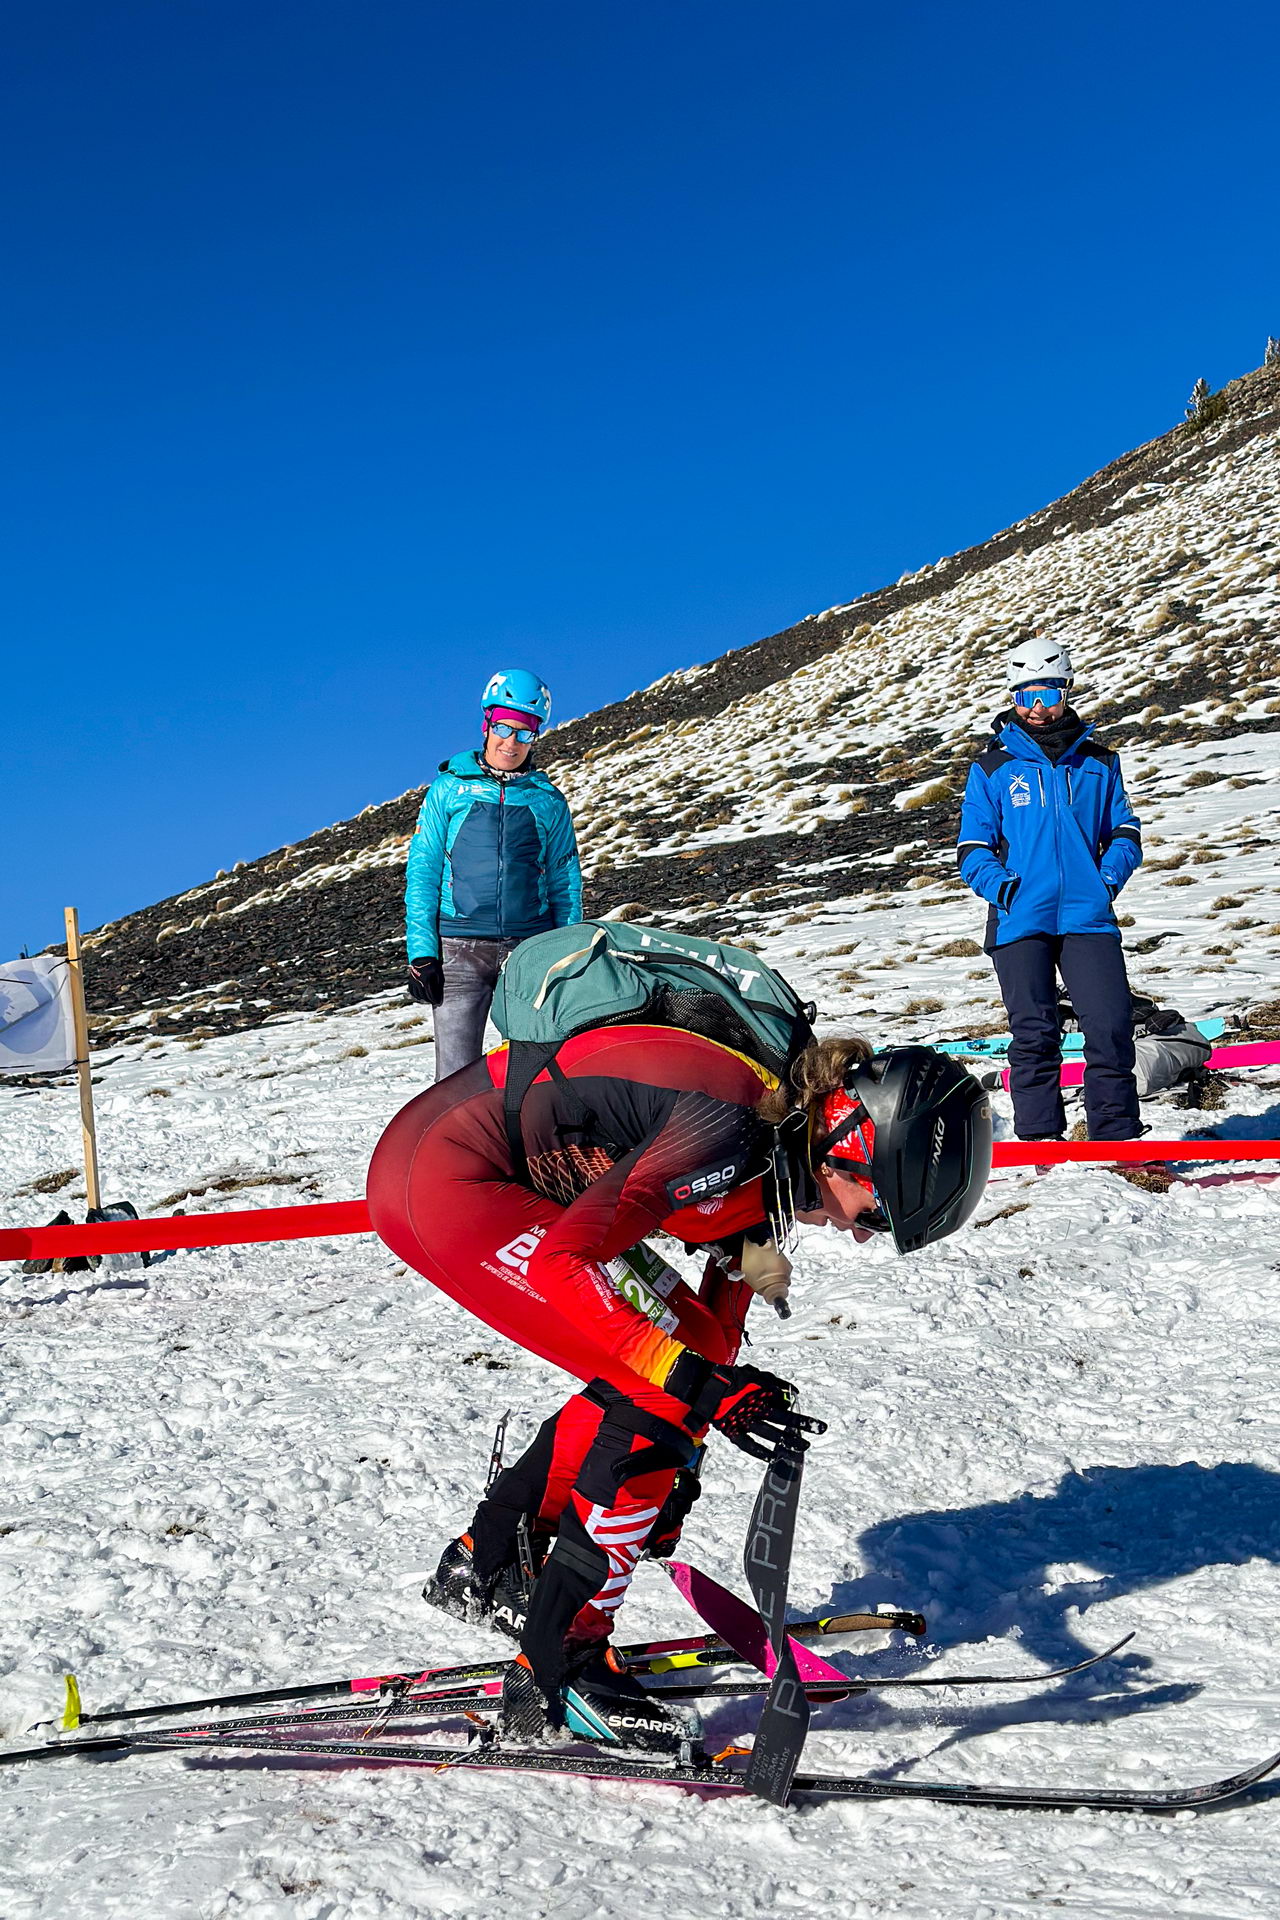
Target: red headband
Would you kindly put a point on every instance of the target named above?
(858, 1143)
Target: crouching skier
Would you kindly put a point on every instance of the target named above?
(622, 1136)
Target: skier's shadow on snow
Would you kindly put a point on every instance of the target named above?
(1029, 1564)
(1035, 1564)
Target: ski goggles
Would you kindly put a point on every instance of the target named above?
(1052, 694)
(505, 721)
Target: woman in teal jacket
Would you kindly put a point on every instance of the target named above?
(492, 860)
(1048, 838)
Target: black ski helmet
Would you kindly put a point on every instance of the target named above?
(927, 1125)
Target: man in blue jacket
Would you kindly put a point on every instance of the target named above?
(492, 860)
(1048, 838)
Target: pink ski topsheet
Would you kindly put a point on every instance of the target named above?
(741, 1627)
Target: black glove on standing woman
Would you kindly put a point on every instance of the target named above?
(426, 980)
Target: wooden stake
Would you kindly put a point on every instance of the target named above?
(88, 1128)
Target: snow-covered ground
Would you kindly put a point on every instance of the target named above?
(236, 1467)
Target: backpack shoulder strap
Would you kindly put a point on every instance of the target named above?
(526, 1059)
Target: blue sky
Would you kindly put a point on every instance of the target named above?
(356, 347)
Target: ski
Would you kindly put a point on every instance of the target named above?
(643, 1657)
(742, 1627)
(410, 1709)
(714, 1776)
(996, 1046)
(766, 1560)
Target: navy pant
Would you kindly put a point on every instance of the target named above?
(1093, 972)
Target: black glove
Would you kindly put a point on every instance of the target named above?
(755, 1410)
(426, 980)
(1006, 891)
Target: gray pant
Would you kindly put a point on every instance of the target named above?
(470, 974)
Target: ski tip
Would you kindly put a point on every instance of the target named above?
(71, 1705)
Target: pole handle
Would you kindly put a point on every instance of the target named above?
(871, 1622)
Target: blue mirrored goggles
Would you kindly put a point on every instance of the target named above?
(504, 731)
(1052, 694)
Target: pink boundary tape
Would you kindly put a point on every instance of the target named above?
(1257, 1053)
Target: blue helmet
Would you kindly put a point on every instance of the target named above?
(516, 688)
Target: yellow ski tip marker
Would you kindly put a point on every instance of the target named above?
(71, 1709)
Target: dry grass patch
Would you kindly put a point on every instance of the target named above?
(928, 796)
(1149, 1179)
(230, 1183)
(958, 950)
(1005, 1213)
(49, 1182)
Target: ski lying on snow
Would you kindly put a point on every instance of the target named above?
(444, 1702)
(489, 1756)
(996, 1046)
(649, 1656)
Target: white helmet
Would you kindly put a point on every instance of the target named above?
(1038, 658)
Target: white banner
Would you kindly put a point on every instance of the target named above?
(37, 1032)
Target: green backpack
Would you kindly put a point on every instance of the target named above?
(613, 973)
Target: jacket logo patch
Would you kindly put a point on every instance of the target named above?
(1020, 790)
(706, 1183)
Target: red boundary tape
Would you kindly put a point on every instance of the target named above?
(243, 1229)
(1043, 1153)
(240, 1229)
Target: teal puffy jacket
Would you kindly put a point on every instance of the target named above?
(493, 857)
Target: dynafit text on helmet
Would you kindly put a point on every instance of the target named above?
(492, 859)
(649, 1080)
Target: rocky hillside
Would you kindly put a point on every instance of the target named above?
(820, 767)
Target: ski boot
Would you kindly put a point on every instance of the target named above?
(501, 1602)
(453, 1586)
(597, 1700)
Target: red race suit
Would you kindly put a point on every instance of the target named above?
(634, 1128)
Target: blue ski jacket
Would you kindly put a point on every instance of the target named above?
(493, 857)
(1065, 832)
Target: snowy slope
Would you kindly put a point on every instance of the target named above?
(822, 762)
(236, 1467)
